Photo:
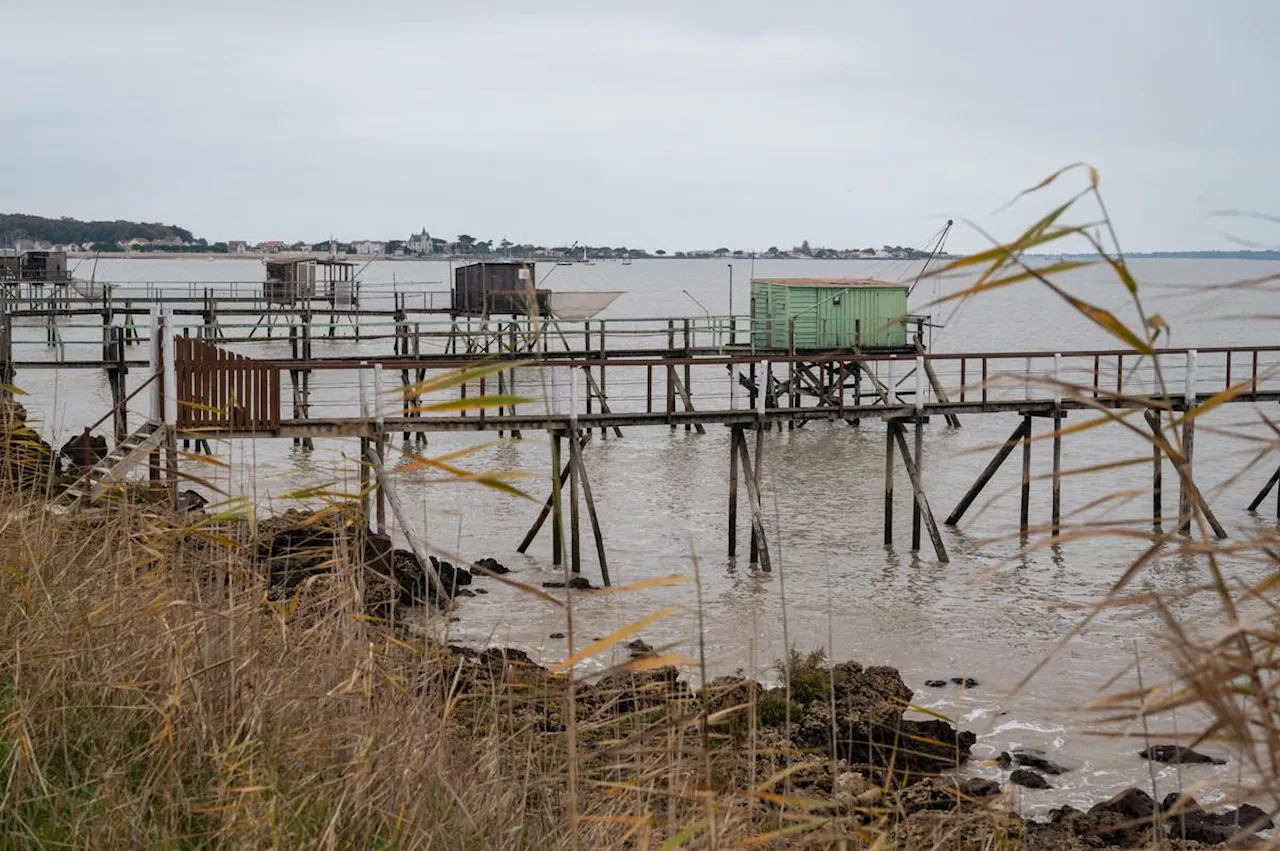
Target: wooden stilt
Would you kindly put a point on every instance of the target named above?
(1056, 515)
(759, 544)
(735, 435)
(575, 458)
(888, 483)
(557, 513)
(1024, 427)
(380, 506)
(575, 538)
(171, 465)
(915, 505)
(1266, 489)
(543, 514)
(1157, 472)
(1024, 514)
(364, 481)
(917, 488)
(1187, 485)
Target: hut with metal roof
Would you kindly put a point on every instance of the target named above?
(828, 313)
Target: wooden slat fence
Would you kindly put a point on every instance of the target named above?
(223, 390)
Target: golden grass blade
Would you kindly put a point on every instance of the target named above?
(614, 637)
(454, 378)
(471, 404)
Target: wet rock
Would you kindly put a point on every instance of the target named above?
(1125, 819)
(192, 500)
(576, 583)
(978, 788)
(935, 683)
(450, 577)
(1029, 779)
(556, 635)
(1004, 760)
(482, 590)
(464, 592)
(1037, 759)
(870, 730)
(967, 682)
(640, 649)
(83, 451)
(491, 566)
(1178, 754)
(29, 462)
(1197, 825)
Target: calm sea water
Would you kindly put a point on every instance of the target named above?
(993, 613)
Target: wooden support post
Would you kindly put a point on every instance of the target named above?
(557, 514)
(857, 390)
(575, 538)
(751, 477)
(575, 458)
(1266, 489)
(888, 483)
(735, 435)
(305, 405)
(1024, 514)
(1056, 513)
(380, 507)
(544, 513)
(6, 355)
(917, 487)
(365, 449)
(991, 468)
(915, 505)
(1157, 471)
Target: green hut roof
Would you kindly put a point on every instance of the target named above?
(870, 283)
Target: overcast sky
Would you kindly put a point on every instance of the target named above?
(651, 124)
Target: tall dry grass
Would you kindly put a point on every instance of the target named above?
(1225, 663)
(154, 695)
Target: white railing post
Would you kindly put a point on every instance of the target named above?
(170, 370)
(733, 387)
(890, 383)
(762, 383)
(1057, 381)
(920, 383)
(377, 394)
(573, 399)
(364, 389)
(1190, 393)
(154, 359)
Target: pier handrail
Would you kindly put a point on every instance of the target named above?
(123, 402)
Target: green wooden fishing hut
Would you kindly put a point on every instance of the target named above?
(828, 313)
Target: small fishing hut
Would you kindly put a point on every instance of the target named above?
(293, 280)
(36, 267)
(498, 288)
(828, 313)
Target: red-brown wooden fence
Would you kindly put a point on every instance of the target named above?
(218, 389)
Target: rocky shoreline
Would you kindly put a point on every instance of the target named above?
(844, 733)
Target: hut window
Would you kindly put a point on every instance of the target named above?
(836, 299)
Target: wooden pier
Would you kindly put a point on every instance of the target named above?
(615, 375)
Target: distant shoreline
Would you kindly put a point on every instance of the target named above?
(445, 258)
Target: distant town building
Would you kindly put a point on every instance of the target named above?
(369, 246)
(271, 246)
(237, 246)
(420, 243)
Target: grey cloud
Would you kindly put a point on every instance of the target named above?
(657, 124)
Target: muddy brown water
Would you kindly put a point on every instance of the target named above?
(992, 614)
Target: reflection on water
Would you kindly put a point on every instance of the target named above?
(992, 613)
